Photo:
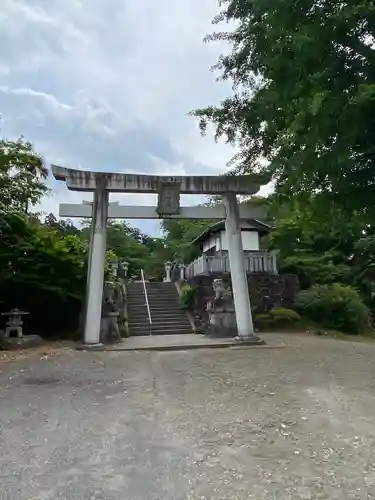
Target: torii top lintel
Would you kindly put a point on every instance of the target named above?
(82, 180)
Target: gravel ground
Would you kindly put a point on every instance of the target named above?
(290, 423)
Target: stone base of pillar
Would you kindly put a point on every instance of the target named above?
(252, 340)
(90, 347)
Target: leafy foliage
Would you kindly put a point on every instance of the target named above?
(363, 270)
(64, 227)
(336, 306)
(22, 176)
(179, 237)
(187, 297)
(40, 271)
(128, 244)
(278, 317)
(303, 74)
(282, 315)
(316, 239)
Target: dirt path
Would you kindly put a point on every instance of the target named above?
(292, 423)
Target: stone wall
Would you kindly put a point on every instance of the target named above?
(266, 292)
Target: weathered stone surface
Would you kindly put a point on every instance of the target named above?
(25, 342)
(83, 180)
(221, 313)
(109, 329)
(266, 291)
(249, 341)
(117, 211)
(272, 290)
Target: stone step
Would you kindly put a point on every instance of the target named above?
(160, 319)
(165, 324)
(158, 293)
(167, 316)
(162, 308)
(162, 323)
(156, 312)
(156, 300)
(177, 331)
(157, 317)
(159, 304)
(168, 319)
(139, 286)
(152, 297)
(160, 316)
(159, 298)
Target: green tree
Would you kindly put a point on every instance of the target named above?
(22, 176)
(41, 271)
(179, 237)
(304, 92)
(64, 227)
(160, 252)
(126, 242)
(316, 239)
(363, 268)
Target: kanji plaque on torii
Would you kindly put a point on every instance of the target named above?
(168, 199)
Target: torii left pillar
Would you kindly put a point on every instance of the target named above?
(96, 261)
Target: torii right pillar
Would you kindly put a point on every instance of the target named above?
(240, 289)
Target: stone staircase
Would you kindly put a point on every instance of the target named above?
(166, 314)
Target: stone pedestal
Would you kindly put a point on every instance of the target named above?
(222, 317)
(182, 272)
(168, 268)
(221, 312)
(16, 343)
(125, 267)
(222, 320)
(109, 329)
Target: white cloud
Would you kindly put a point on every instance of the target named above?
(108, 85)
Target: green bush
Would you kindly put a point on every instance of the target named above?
(337, 307)
(278, 317)
(283, 316)
(262, 321)
(187, 297)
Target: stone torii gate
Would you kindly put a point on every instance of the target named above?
(169, 189)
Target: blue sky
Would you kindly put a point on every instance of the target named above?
(107, 85)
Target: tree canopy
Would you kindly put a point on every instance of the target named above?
(22, 176)
(303, 74)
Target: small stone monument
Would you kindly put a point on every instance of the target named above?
(221, 313)
(182, 272)
(114, 269)
(168, 268)
(124, 267)
(14, 325)
(109, 329)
